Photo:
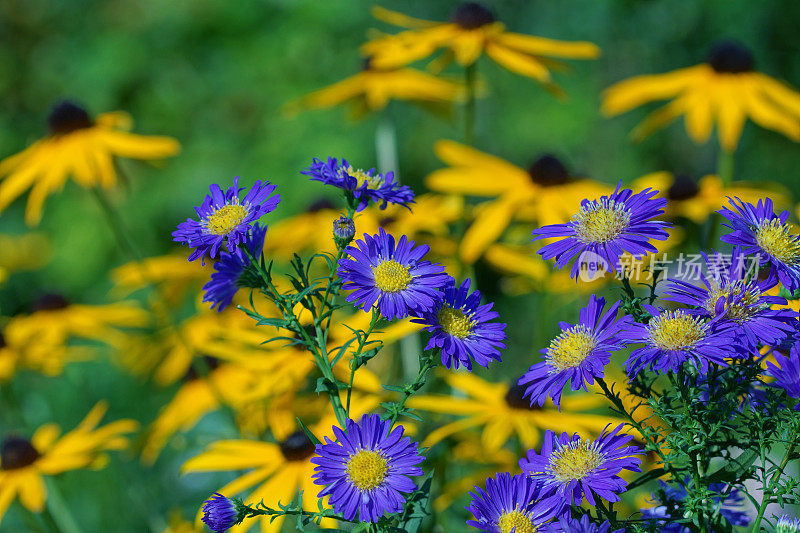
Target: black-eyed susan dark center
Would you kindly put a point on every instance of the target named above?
(472, 15)
(676, 331)
(297, 447)
(454, 322)
(366, 469)
(683, 188)
(515, 521)
(601, 221)
(3, 343)
(66, 117)
(391, 276)
(16, 453)
(210, 364)
(515, 398)
(548, 171)
(50, 302)
(731, 57)
(570, 349)
(575, 461)
(777, 240)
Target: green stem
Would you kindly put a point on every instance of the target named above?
(361, 343)
(57, 512)
(426, 363)
(612, 518)
(469, 105)
(768, 489)
(725, 163)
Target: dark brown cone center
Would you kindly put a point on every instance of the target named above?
(548, 170)
(66, 117)
(515, 398)
(731, 57)
(49, 302)
(16, 452)
(297, 446)
(683, 188)
(472, 15)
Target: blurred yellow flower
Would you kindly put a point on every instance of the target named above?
(502, 412)
(23, 252)
(471, 31)
(544, 194)
(171, 274)
(23, 462)
(21, 348)
(373, 88)
(696, 201)
(77, 146)
(726, 90)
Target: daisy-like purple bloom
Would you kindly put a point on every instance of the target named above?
(512, 503)
(462, 328)
(787, 372)
(367, 468)
(604, 229)
(220, 513)
(578, 355)
(233, 271)
(672, 338)
(364, 185)
(573, 468)
(759, 231)
(225, 219)
(585, 525)
(740, 303)
(395, 278)
(664, 514)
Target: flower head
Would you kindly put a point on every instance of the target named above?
(585, 525)
(731, 506)
(463, 328)
(760, 232)
(672, 338)
(233, 271)
(365, 186)
(573, 468)
(220, 513)
(786, 524)
(367, 468)
(224, 218)
(579, 354)
(606, 228)
(787, 372)
(395, 278)
(510, 504)
(343, 231)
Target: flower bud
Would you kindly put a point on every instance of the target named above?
(343, 231)
(221, 513)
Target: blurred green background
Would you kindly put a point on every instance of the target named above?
(215, 74)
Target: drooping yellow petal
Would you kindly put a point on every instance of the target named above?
(781, 94)
(123, 144)
(476, 387)
(32, 492)
(765, 113)
(13, 185)
(233, 455)
(467, 46)
(8, 489)
(329, 96)
(514, 261)
(45, 436)
(518, 62)
(659, 118)
(52, 179)
(730, 115)
(633, 92)
(699, 110)
(496, 432)
(441, 433)
(542, 46)
(492, 220)
(440, 403)
(400, 19)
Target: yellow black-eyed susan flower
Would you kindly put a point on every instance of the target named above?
(171, 274)
(22, 252)
(373, 88)
(23, 462)
(502, 411)
(47, 354)
(697, 200)
(77, 146)
(725, 90)
(471, 31)
(544, 194)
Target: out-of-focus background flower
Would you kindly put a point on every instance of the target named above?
(227, 80)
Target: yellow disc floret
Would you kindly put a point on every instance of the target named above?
(225, 219)
(366, 469)
(675, 330)
(454, 322)
(373, 182)
(391, 276)
(601, 221)
(775, 239)
(515, 519)
(571, 348)
(746, 300)
(575, 460)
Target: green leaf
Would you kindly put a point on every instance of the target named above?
(308, 432)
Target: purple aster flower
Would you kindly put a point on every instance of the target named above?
(585, 525)
(233, 270)
(363, 185)
(605, 229)
(666, 512)
(512, 503)
(787, 372)
(393, 277)
(786, 524)
(741, 303)
(759, 231)
(462, 328)
(573, 468)
(221, 513)
(224, 218)
(367, 468)
(671, 338)
(578, 355)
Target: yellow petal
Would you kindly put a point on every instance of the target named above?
(530, 44)
(765, 113)
(633, 92)
(659, 118)
(16, 183)
(399, 19)
(45, 436)
(496, 432)
(461, 155)
(8, 490)
(446, 430)
(135, 146)
(492, 220)
(699, 112)
(332, 95)
(783, 95)
(512, 261)
(518, 62)
(467, 46)
(730, 116)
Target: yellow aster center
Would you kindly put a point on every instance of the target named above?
(746, 298)
(775, 239)
(575, 460)
(225, 219)
(515, 519)
(674, 330)
(366, 469)
(454, 322)
(571, 348)
(601, 221)
(391, 276)
(373, 182)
